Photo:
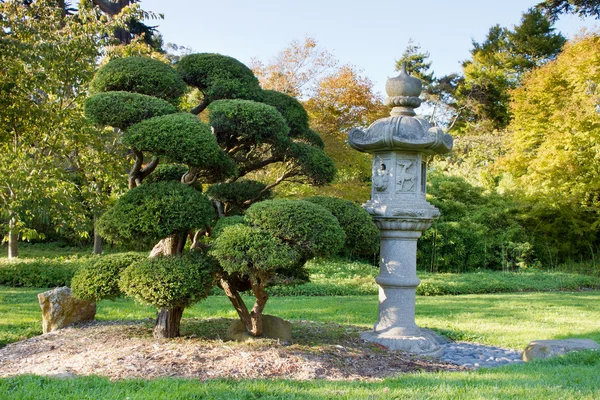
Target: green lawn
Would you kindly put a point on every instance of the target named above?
(509, 320)
(574, 377)
(504, 319)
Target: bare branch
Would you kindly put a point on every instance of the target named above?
(149, 168)
(199, 108)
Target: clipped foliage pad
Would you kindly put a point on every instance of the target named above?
(234, 194)
(224, 222)
(310, 227)
(311, 137)
(219, 76)
(172, 281)
(153, 211)
(167, 172)
(362, 235)
(182, 138)
(293, 112)
(245, 121)
(139, 75)
(318, 168)
(123, 109)
(246, 250)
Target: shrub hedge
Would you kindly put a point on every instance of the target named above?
(43, 273)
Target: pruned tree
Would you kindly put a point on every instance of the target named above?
(275, 239)
(248, 129)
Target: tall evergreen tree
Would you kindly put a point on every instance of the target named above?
(497, 66)
(584, 8)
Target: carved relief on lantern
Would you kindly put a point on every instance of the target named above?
(406, 176)
(381, 174)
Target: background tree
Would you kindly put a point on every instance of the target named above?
(47, 61)
(295, 68)
(497, 66)
(417, 64)
(584, 8)
(438, 93)
(134, 25)
(555, 128)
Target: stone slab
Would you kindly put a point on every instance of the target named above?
(273, 328)
(541, 349)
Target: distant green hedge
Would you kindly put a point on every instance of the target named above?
(40, 273)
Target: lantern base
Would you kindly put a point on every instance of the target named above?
(425, 343)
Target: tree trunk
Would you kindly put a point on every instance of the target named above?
(13, 240)
(168, 322)
(97, 243)
(113, 8)
(172, 245)
(237, 302)
(258, 288)
(97, 239)
(253, 319)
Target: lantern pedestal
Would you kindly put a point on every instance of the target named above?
(397, 280)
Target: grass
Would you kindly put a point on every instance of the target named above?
(505, 319)
(572, 377)
(508, 320)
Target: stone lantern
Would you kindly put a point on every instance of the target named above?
(399, 144)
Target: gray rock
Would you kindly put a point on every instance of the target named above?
(540, 349)
(60, 309)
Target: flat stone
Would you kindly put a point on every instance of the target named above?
(540, 349)
(273, 328)
(60, 309)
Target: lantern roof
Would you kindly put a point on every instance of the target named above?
(402, 130)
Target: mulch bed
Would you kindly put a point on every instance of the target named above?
(126, 349)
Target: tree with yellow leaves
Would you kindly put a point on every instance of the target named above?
(555, 133)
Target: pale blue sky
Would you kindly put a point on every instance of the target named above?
(368, 34)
